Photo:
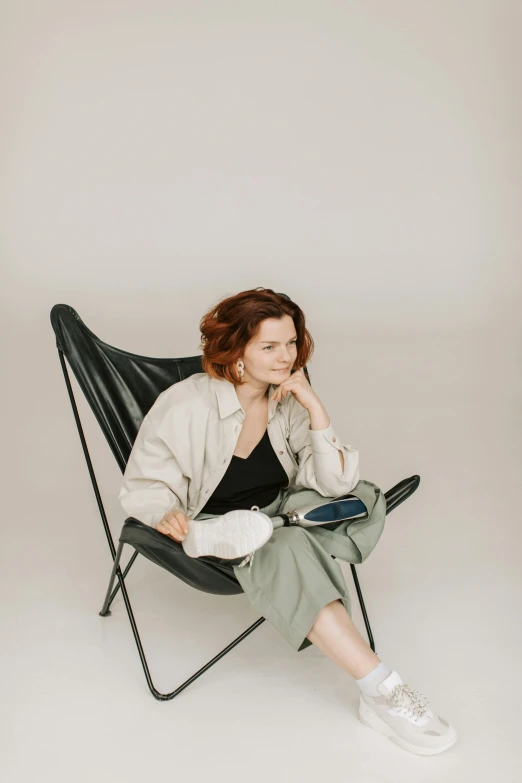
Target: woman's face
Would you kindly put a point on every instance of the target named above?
(270, 355)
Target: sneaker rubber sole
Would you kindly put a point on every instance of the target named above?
(369, 718)
(232, 535)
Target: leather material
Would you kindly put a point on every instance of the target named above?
(209, 575)
(119, 386)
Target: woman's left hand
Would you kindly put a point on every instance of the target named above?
(298, 385)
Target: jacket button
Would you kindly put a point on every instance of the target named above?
(334, 439)
(280, 452)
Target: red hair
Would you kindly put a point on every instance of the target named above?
(233, 322)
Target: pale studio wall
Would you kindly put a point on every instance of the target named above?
(362, 157)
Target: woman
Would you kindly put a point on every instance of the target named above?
(249, 439)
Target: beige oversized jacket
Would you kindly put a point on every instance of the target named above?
(186, 442)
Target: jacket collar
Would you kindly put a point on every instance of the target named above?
(228, 401)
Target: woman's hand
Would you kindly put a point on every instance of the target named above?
(174, 524)
(298, 385)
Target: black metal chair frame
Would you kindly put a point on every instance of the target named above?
(394, 497)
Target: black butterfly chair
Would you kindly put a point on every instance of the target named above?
(120, 388)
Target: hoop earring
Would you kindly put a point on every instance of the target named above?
(241, 369)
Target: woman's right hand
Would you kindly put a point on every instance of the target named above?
(174, 524)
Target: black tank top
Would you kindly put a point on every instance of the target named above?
(254, 481)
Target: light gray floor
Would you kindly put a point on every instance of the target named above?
(442, 589)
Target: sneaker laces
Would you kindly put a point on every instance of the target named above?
(404, 696)
(248, 559)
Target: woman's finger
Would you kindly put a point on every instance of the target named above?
(177, 530)
(166, 528)
(175, 525)
(183, 521)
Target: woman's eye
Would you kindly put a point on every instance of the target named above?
(293, 342)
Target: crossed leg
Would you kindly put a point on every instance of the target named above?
(334, 632)
(337, 637)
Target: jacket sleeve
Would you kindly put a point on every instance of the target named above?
(317, 454)
(153, 482)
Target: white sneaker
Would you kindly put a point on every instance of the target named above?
(404, 716)
(234, 534)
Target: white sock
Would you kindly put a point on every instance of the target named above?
(369, 683)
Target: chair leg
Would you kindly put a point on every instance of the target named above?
(363, 608)
(116, 571)
(108, 598)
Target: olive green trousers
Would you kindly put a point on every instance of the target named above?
(295, 574)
